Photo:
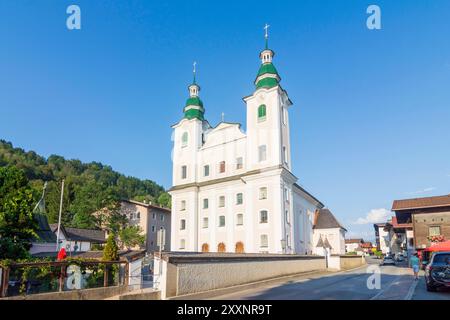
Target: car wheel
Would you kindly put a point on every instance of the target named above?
(430, 288)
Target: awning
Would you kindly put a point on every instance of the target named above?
(440, 246)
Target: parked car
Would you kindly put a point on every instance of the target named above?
(388, 260)
(437, 272)
(399, 257)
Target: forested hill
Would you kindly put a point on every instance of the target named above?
(88, 186)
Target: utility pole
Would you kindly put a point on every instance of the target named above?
(59, 217)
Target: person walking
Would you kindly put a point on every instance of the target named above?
(415, 263)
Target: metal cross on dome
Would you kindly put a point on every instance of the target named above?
(266, 27)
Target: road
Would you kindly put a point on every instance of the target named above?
(397, 283)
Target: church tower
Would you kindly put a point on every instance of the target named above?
(188, 137)
(267, 117)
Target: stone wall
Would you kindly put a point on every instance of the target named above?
(186, 274)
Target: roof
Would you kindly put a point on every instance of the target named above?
(397, 225)
(366, 245)
(296, 185)
(354, 241)
(44, 231)
(324, 219)
(77, 234)
(421, 203)
(147, 205)
(267, 68)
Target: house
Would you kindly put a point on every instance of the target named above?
(150, 218)
(400, 237)
(46, 241)
(328, 233)
(367, 247)
(429, 217)
(78, 240)
(382, 238)
(352, 244)
(234, 191)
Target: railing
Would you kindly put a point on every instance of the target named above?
(53, 276)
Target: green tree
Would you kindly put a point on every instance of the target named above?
(111, 250)
(132, 236)
(164, 200)
(17, 223)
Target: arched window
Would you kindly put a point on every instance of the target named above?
(263, 216)
(184, 139)
(221, 247)
(205, 247)
(239, 247)
(262, 112)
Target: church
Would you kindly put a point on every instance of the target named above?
(234, 191)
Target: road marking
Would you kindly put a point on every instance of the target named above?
(411, 290)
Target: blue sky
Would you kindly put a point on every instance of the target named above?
(371, 114)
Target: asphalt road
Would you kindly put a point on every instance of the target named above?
(397, 283)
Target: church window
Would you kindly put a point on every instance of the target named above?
(285, 156)
(206, 170)
(239, 163)
(222, 167)
(182, 244)
(262, 193)
(205, 223)
(262, 112)
(183, 205)
(239, 198)
(239, 219)
(288, 220)
(222, 201)
(205, 203)
(182, 224)
(284, 115)
(264, 241)
(263, 216)
(161, 217)
(184, 139)
(183, 172)
(153, 228)
(221, 221)
(262, 152)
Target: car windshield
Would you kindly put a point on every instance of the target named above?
(442, 258)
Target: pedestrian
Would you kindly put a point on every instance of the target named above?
(414, 261)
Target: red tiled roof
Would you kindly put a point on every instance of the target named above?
(366, 245)
(354, 240)
(420, 203)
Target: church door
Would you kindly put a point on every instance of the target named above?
(205, 247)
(221, 247)
(239, 247)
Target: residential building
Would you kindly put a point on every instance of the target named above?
(382, 238)
(76, 239)
(430, 219)
(234, 191)
(46, 240)
(328, 233)
(352, 244)
(150, 218)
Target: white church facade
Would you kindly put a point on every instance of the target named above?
(234, 191)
